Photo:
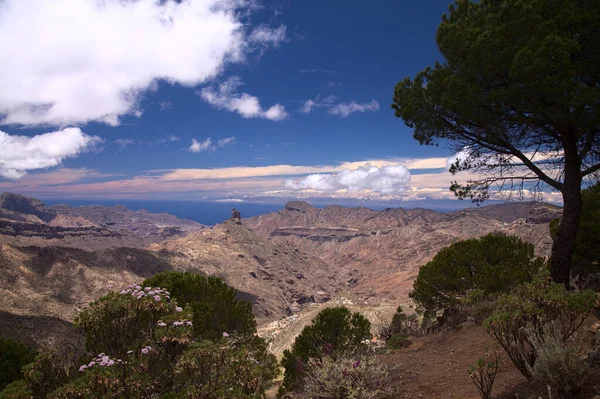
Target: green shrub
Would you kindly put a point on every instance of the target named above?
(346, 377)
(141, 344)
(401, 324)
(333, 333)
(398, 341)
(13, 356)
(526, 314)
(46, 373)
(491, 264)
(215, 307)
(16, 390)
(559, 366)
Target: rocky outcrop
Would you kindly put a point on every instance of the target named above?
(236, 217)
(25, 205)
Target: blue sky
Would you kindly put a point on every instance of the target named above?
(214, 100)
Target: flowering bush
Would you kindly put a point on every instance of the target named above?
(347, 377)
(142, 344)
(215, 306)
(333, 333)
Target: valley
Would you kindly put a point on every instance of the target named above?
(288, 264)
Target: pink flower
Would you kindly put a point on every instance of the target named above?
(161, 324)
(157, 298)
(82, 368)
(178, 309)
(109, 286)
(225, 335)
(145, 350)
(189, 323)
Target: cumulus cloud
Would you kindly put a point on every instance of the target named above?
(336, 108)
(20, 154)
(98, 58)
(226, 96)
(384, 180)
(208, 145)
(345, 109)
(199, 146)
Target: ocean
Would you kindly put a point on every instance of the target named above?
(210, 213)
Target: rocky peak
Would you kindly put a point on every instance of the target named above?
(298, 206)
(236, 217)
(26, 205)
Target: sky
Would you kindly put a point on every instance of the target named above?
(216, 100)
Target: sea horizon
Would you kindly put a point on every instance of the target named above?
(213, 212)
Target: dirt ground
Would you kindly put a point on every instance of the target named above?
(435, 366)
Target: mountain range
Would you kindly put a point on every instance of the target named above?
(54, 260)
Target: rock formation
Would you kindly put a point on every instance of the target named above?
(236, 217)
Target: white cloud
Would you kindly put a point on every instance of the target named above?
(75, 61)
(205, 145)
(334, 108)
(227, 97)
(461, 156)
(384, 180)
(165, 105)
(208, 145)
(332, 85)
(225, 141)
(318, 102)
(20, 154)
(266, 35)
(345, 109)
(122, 143)
(171, 138)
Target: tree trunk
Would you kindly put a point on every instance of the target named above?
(564, 242)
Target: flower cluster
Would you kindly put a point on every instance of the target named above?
(100, 360)
(176, 323)
(138, 292)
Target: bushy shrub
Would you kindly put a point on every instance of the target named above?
(346, 377)
(13, 356)
(559, 366)
(483, 373)
(141, 344)
(491, 264)
(333, 333)
(16, 390)
(401, 325)
(45, 374)
(398, 341)
(527, 313)
(215, 306)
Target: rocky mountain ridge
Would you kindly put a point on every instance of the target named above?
(27, 221)
(55, 260)
(378, 253)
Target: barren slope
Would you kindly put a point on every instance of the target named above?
(379, 252)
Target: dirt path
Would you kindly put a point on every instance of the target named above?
(435, 366)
